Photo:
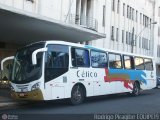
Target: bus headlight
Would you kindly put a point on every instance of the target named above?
(36, 86)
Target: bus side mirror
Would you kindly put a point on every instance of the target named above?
(34, 55)
(4, 60)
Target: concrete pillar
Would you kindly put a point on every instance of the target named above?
(39, 8)
(83, 12)
(89, 8)
(78, 12)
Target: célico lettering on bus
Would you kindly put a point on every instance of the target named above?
(86, 74)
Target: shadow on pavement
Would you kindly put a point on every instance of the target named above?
(66, 102)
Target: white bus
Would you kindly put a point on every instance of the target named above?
(54, 70)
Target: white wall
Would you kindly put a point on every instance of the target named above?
(60, 9)
(123, 23)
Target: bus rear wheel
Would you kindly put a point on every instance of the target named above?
(77, 95)
(136, 89)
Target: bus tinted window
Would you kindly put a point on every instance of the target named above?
(139, 63)
(148, 64)
(56, 61)
(128, 62)
(98, 59)
(115, 61)
(80, 57)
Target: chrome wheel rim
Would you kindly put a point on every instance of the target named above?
(77, 95)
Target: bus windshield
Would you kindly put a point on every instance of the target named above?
(23, 71)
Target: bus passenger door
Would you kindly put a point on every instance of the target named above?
(115, 72)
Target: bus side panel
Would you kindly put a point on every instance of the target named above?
(124, 79)
(151, 80)
(85, 76)
(56, 88)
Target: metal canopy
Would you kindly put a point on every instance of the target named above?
(17, 26)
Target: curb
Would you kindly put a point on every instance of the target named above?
(7, 105)
(4, 104)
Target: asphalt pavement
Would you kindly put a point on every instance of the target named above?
(147, 102)
(6, 102)
(5, 98)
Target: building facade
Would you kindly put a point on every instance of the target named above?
(129, 25)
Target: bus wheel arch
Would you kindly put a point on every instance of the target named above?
(136, 88)
(78, 94)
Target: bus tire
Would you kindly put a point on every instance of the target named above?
(136, 89)
(77, 95)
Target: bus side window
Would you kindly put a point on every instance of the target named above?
(148, 64)
(73, 57)
(98, 59)
(56, 61)
(80, 57)
(128, 62)
(115, 61)
(139, 63)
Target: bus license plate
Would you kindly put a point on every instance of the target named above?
(21, 94)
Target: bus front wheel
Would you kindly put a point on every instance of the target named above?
(77, 95)
(136, 89)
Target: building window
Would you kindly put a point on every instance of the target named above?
(158, 51)
(136, 16)
(118, 4)
(159, 31)
(134, 39)
(124, 9)
(130, 13)
(122, 36)
(112, 33)
(159, 12)
(150, 23)
(140, 18)
(145, 44)
(143, 20)
(117, 34)
(133, 14)
(139, 42)
(126, 37)
(113, 5)
(130, 38)
(147, 21)
(127, 11)
(104, 15)
(32, 1)
(150, 44)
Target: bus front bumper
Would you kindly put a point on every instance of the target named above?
(35, 95)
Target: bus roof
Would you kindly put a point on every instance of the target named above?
(92, 47)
